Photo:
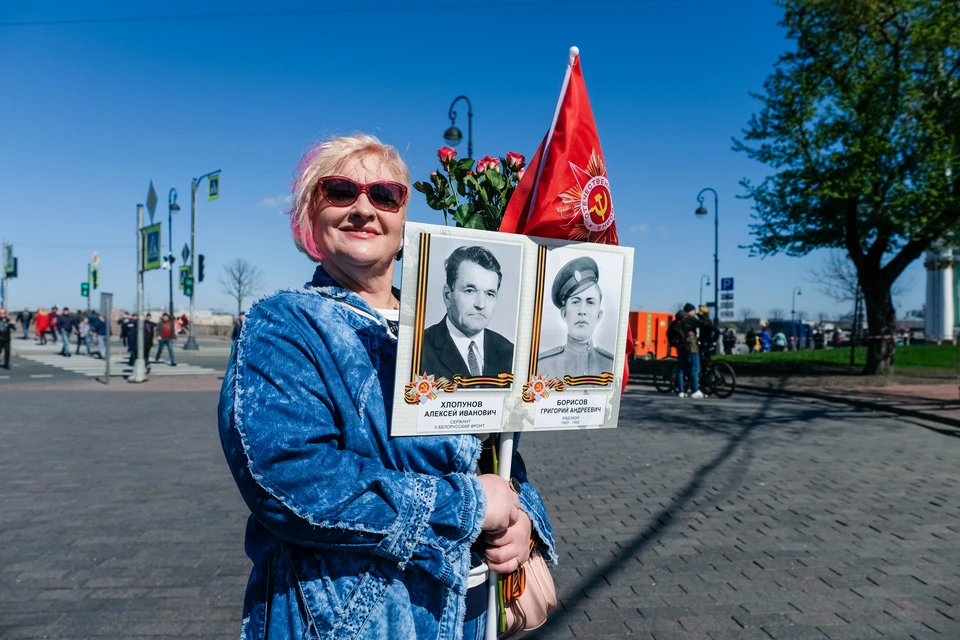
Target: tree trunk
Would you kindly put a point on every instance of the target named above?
(881, 327)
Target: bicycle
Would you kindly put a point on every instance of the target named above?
(716, 378)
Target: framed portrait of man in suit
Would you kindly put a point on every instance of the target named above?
(470, 312)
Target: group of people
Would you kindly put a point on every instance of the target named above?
(694, 336)
(166, 330)
(91, 329)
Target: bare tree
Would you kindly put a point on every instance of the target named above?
(822, 317)
(837, 278)
(241, 279)
(801, 315)
(776, 313)
(746, 313)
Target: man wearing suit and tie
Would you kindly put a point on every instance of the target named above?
(576, 293)
(461, 344)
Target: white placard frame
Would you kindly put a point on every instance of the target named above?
(518, 414)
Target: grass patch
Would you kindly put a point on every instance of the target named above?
(920, 356)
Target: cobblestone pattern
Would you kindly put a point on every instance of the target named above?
(752, 518)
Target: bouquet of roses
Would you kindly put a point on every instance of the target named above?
(474, 196)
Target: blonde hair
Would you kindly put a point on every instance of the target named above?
(326, 159)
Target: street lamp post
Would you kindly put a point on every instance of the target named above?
(793, 304)
(171, 207)
(702, 278)
(453, 135)
(191, 344)
(701, 211)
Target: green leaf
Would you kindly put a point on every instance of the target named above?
(472, 182)
(466, 164)
(475, 222)
(463, 213)
(495, 179)
(424, 187)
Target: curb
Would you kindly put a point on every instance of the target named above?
(856, 402)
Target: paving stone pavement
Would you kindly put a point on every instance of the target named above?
(752, 518)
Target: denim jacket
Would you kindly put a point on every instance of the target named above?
(353, 533)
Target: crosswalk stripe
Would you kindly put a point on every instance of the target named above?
(85, 365)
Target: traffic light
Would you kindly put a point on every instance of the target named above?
(85, 289)
(200, 267)
(95, 277)
(188, 287)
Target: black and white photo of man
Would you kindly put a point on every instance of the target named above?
(462, 342)
(576, 293)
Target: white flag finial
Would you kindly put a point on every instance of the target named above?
(574, 52)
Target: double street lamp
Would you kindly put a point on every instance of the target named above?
(191, 344)
(702, 211)
(453, 136)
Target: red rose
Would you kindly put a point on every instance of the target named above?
(446, 155)
(515, 161)
(486, 163)
(520, 174)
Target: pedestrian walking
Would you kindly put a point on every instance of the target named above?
(149, 330)
(24, 318)
(167, 336)
(124, 328)
(184, 323)
(66, 323)
(42, 325)
(54, 324)
(765, 340)
(751, 340)
(729, 341)
(7, 327)
(102, 330)
(130, 330)
(83, 335)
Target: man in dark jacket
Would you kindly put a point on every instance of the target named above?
(130, 326)
(66, 322)
(24, 318)
(6, 332)
(149, 329)
(691, 325)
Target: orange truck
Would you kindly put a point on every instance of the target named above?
(650, 334)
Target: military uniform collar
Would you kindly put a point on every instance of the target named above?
(579, 347)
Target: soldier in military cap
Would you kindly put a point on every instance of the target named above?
(578, 296)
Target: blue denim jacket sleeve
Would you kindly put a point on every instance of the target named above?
(282, 412)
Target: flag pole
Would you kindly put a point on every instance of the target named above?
(505, 453)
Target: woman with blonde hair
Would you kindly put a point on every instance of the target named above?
(354, 533)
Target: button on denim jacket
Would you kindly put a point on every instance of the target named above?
(353, 534)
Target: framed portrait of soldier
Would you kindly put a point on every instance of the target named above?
(579, 321)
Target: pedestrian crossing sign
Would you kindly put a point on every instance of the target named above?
(151, 247)
(213, 187)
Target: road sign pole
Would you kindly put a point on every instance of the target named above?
(139, 366)
(5, 303)
(191, 344)
(89, 295)
(106, 309)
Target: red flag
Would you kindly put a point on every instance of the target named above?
(564, 192)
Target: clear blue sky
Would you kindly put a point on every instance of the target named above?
(92, 112)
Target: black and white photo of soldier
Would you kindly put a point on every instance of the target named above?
(577, 295)
(462, 342)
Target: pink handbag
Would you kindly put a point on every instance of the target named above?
(529, 596)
